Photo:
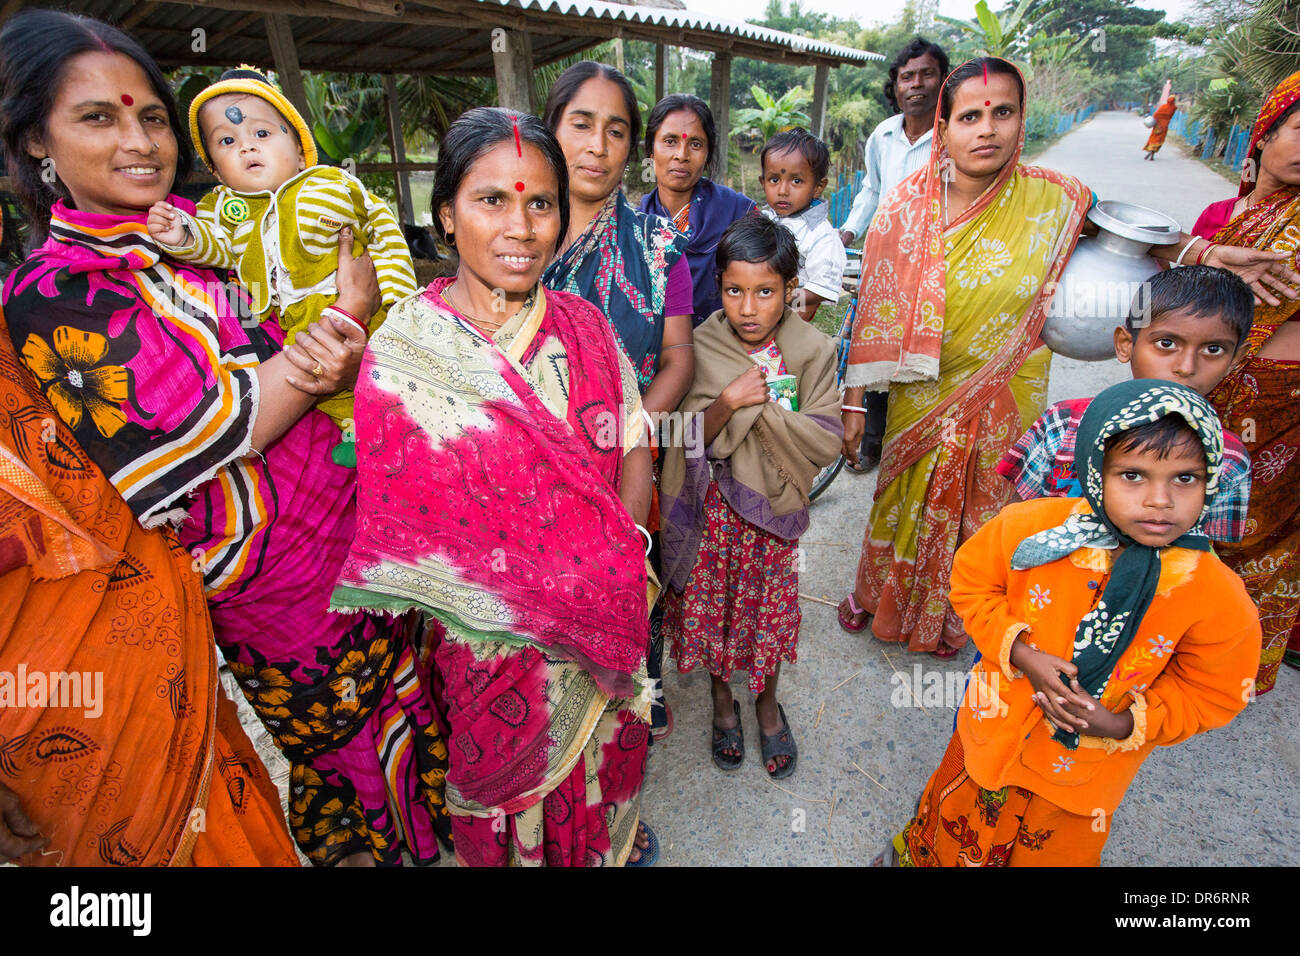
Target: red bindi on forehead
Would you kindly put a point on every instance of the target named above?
(127, 99)
(519, 187)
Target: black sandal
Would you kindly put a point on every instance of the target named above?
(779, 744)
(729, 738)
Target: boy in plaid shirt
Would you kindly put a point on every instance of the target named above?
(1186, 325)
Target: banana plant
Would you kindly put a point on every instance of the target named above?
(1046, 50)
(340, 141)
(995, 34)
(773, 114)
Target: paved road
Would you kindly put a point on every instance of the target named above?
(1222, 798)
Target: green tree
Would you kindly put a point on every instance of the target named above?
(1265, 45)
(1120, 35)
(1004, 34)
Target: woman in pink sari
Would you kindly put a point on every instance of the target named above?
(202, 420)
(503, 487)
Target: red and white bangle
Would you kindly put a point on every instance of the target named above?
(1201, 254)
(853, 408)
(344, 313)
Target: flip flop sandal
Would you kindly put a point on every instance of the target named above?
(846, 623)
(649, 852)
(732, 738)
(779, 744)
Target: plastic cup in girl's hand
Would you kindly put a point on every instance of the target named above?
(784, 390)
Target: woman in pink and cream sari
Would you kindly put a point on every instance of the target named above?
(501, 492)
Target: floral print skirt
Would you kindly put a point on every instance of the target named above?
(740, 608)
(959, 823)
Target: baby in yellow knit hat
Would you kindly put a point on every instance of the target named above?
(276, 216)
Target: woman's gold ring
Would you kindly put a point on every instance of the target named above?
(318, 371)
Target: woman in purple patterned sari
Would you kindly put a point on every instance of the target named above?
(202, 419)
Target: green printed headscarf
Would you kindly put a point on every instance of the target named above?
(1108, 629)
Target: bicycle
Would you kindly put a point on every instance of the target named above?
(824, 477)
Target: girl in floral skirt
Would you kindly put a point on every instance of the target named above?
(766, 400)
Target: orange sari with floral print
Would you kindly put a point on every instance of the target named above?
(130, 755)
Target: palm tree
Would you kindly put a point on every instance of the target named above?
(1267, 45)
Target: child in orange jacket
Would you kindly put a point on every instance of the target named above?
(1107, 626)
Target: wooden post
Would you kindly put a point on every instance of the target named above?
(720, 103)
(285, 55)
(818, 117)
(397, 146)
(661, 71)
(512, 58)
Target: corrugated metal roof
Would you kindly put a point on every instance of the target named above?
(687, 20)
(439, 37)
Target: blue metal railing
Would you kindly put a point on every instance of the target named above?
(1040, 127)
(841, 201)
(1199, 134)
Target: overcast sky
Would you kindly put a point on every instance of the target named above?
(880, 11)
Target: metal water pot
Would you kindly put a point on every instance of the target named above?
(1098, 284)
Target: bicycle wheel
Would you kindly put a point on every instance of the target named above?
(825, 477)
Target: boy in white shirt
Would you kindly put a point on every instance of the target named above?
(794, 174)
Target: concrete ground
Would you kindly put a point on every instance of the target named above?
(1221, 798)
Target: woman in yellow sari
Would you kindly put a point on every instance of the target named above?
(957, 272)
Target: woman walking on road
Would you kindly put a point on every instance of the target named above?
(1162, 116)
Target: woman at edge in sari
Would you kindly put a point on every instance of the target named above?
(948, 319)
(145, 762)
(202, 420)
(1259, 395)
(502, 478)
